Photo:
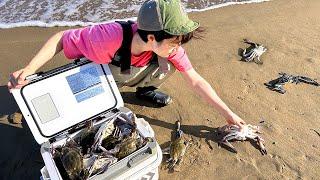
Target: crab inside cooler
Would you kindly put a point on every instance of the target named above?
(58, 104)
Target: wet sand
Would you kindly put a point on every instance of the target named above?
(288, 28)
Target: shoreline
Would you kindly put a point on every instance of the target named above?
(81, 23)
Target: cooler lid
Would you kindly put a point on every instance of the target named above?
(64, 97)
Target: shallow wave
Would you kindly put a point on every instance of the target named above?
(49, 13)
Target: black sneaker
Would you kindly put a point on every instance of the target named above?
(149, 94)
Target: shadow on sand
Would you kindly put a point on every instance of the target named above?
(210, 134)
(7, 103)
(201, 131)
(20, 156)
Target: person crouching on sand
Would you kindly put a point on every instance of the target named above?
(140, 54)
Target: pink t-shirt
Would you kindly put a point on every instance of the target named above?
(99, 43)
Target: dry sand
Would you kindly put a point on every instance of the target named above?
(290, 30)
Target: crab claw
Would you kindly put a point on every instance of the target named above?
(171, 163)
(255, 129)
(249, 42)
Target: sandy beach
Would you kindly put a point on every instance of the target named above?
(288, 28)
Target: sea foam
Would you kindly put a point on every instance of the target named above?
(48, 13)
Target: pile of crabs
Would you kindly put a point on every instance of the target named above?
(94, 149)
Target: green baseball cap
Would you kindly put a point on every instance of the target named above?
(167, 15)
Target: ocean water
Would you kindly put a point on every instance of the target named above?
(48, 13)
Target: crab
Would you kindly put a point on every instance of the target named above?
(98, 163)
(105, 130)
(232, 132)
(122, 147)
(111, 141)
(254, 52)
(277, 84)
(132, 140)
(71, 159)
(128, 145)
(177, 149)
(86, 138)
(123, 140)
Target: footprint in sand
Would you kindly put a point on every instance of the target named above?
(285, 167)
(311, 60)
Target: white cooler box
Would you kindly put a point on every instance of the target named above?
(57, 104)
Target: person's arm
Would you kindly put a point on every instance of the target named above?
(203, 88)
(52, 47)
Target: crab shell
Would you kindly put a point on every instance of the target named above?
(72, 161)
(248, 132)
(254, 53)
(109, 142)
(177, 150)
(103, 132)
(128, 145)
(86, 139)
(98, 163)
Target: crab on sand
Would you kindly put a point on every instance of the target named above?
(232, 132)
(177, 149)
(254, 52)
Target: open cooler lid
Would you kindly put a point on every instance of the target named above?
(62, 98)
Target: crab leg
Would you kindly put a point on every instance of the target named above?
(258, 59)
(249, 56)
(228, 144)
(232, 135)
(253, 56)
(117, 132)
(171, 164)
(250, 42)
(263, 149)
(244, 53)
(224, 141)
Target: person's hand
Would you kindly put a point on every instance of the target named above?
(236, 120)
(18, 78)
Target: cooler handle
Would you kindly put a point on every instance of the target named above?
(139, 157)
(34, 76)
